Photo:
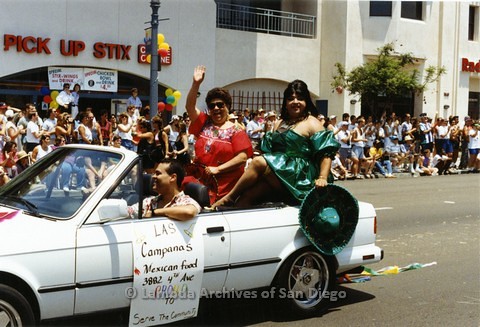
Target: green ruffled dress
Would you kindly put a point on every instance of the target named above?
(295, 159)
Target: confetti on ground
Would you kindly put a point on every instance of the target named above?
(366, 274)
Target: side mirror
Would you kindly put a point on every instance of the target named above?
(109, 210)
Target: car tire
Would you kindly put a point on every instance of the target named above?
(14, 308)
(305, 282)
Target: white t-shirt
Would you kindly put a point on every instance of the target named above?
(341, 135)
(32, 127)
(474, 141)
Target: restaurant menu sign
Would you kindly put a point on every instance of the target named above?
(57, 76)
(89, 79)
(101, 80)
(168, 272)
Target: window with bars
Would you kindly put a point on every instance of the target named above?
(268, 100)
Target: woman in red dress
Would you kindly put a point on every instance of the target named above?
(221, 147)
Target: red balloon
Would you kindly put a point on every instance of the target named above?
(163, 52)
(47, 99)
(168, 107)
(161, 106)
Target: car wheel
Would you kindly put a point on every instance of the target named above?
(305, 281)
(14, 308)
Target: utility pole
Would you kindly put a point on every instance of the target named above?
(155, 5)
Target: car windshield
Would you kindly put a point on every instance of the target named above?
(58, 184)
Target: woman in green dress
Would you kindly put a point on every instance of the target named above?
(296, 157)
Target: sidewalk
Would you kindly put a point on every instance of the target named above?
(409, 175)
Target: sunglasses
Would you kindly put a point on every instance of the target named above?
(219, 105)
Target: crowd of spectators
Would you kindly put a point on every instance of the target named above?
(415, 145)
(369, 148)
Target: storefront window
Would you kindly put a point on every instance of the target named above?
(25, 87)
(474, 105)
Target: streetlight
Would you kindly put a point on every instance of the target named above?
(154, 4)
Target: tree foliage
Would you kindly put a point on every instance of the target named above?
(390, 75)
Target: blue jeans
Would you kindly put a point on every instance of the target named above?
(388, 165)
(127, 144)
(67, 170)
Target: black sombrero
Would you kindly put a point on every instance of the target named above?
(328, 218)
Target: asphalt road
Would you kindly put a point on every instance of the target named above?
(420, 220)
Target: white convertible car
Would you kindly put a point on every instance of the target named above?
(66, 253)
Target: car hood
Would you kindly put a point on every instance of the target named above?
(22, 233)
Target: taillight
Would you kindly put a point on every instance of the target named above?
(375, 225)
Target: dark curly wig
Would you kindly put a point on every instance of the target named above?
(299, 88)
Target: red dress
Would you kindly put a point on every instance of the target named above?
(215, 146)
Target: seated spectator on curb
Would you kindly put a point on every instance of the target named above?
(397, 153)
(381, 160)
(338, 170)
(368, 165)
(171, 202)
(425, 163)
(442, 162)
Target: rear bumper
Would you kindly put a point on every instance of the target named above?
(351, 258)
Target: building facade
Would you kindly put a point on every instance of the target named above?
(252, 47)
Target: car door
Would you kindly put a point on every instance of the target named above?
(260, 238)
(216, 238)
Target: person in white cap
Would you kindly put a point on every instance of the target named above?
(331, 124)
(12, 131)
(270, 121)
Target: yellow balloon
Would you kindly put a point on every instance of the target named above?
(54, 95)
(160, 38)
(164, 45)
(168, 92)
(177, 95)
(149, 58)
(53, 104)
(174, 103)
